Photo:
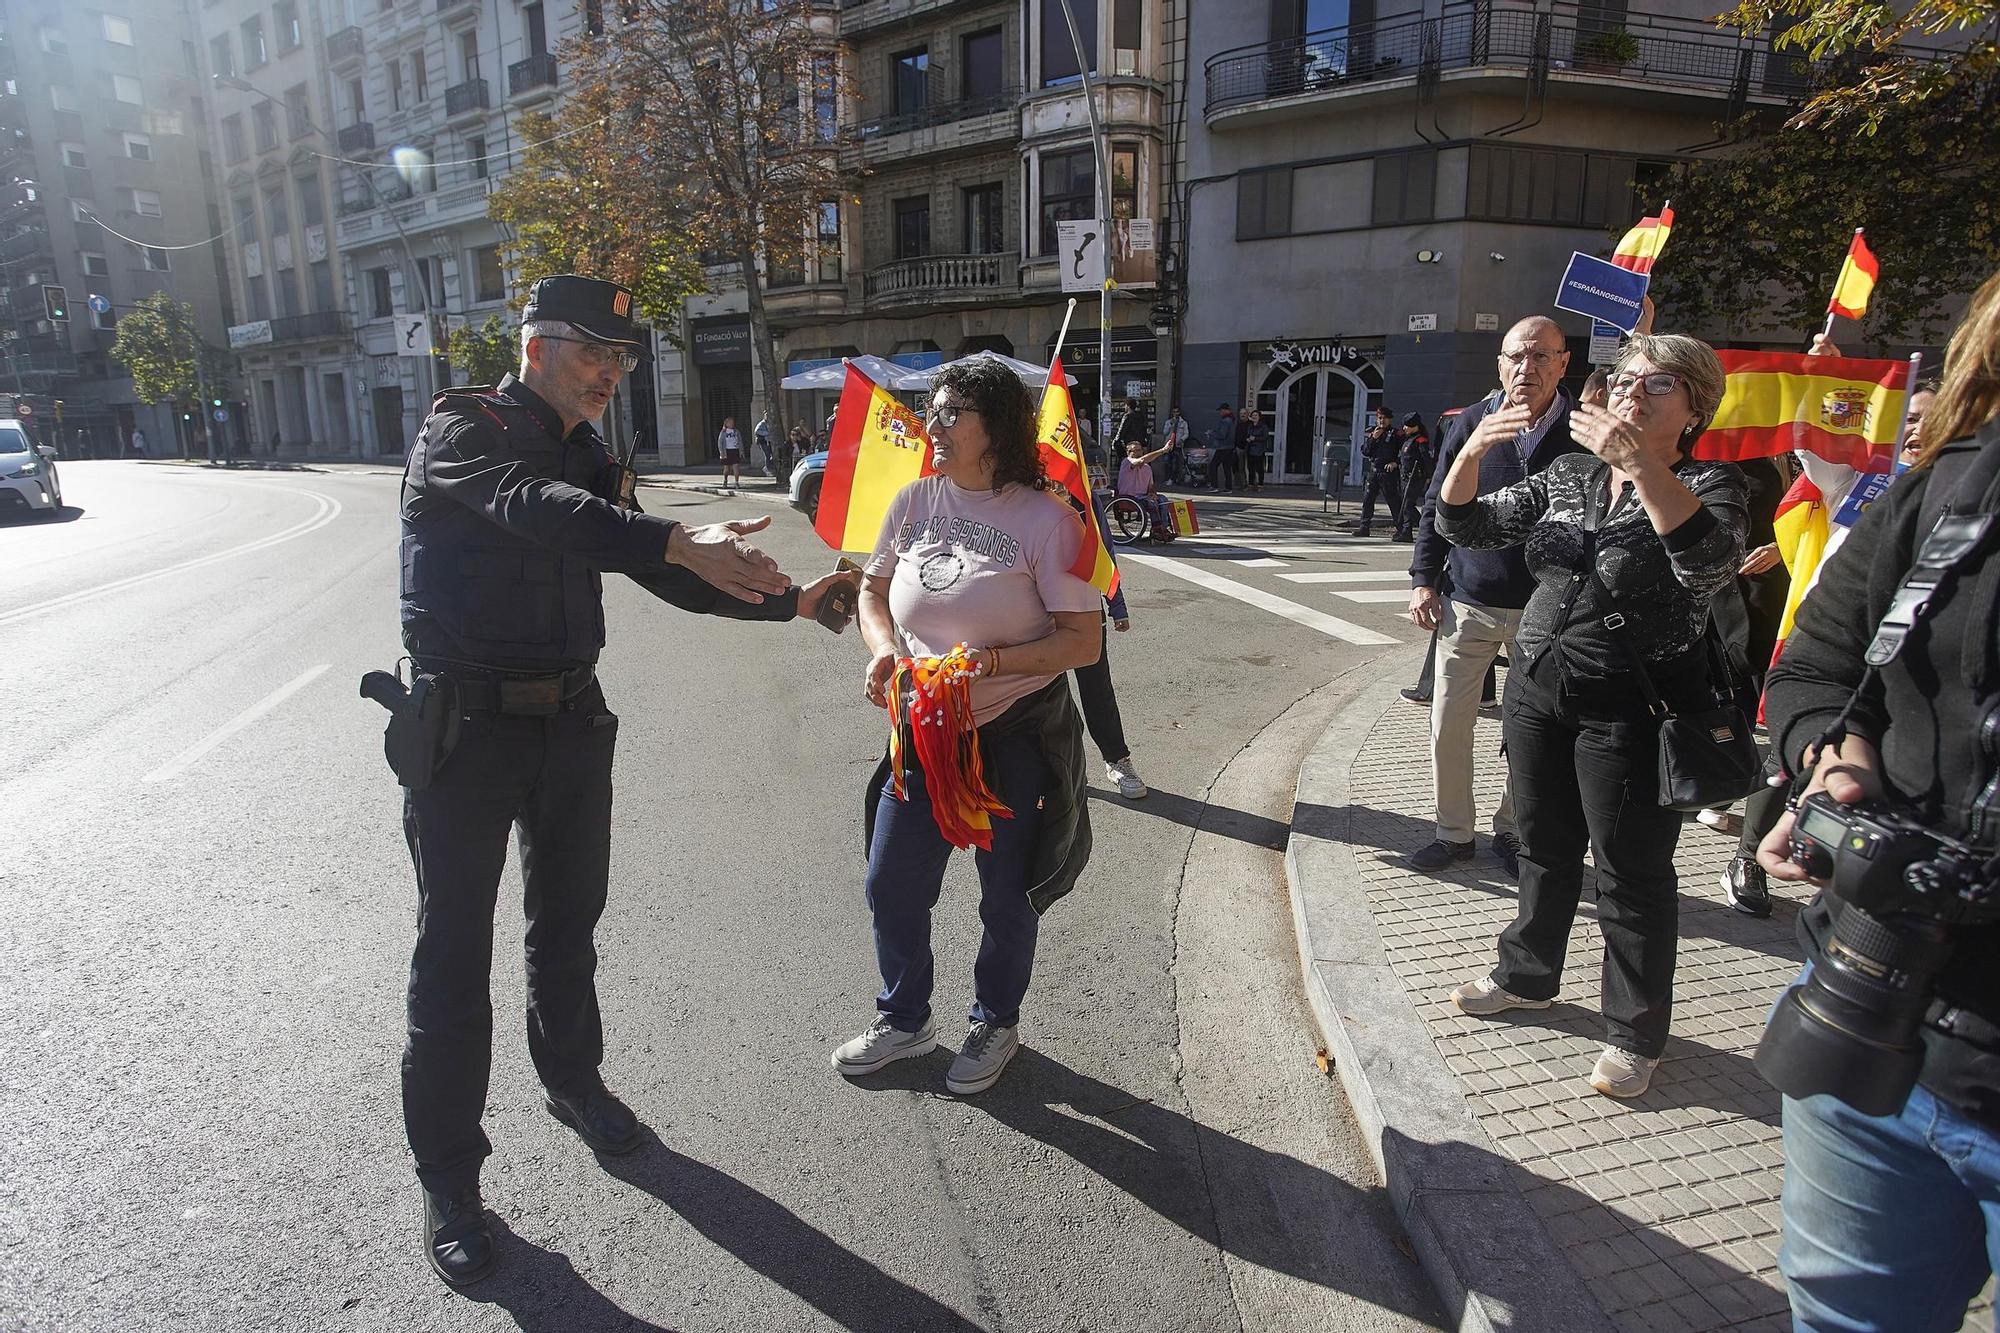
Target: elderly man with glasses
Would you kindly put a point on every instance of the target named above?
(513, 510)
(1474, 599)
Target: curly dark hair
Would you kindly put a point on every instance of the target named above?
(1007, 409)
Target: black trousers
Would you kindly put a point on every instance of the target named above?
(1586, 777)
(1388, 485)
(549, 778)
(1100, 705)
(1223, 470)
(1259, 465)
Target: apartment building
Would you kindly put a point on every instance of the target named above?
(1383, 186)
(106, 190)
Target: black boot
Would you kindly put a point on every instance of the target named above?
(599, 1119)
(457, 1241)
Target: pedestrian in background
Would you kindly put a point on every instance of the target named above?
(139, 443)
(1383, 450)
(1256, 445)
(1222, 450)
(1627, 549)
(1099, 700)
(1177, 437)
(763, 434)
(729, 447)
(1416, 459)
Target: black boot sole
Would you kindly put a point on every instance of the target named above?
(596, 1142)
(462, 1279)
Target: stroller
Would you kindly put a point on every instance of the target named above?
(1194, 464)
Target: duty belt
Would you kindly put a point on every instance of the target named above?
(521, 694)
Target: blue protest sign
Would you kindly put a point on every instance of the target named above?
(1867, 489)
(1602, 290)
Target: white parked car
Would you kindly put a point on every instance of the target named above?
(28, 480)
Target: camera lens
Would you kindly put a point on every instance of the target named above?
(1851, 1029)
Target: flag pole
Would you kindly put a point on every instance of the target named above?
(1903, 426)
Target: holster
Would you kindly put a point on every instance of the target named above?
(423, 723)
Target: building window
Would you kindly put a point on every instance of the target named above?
(489, 282)
(826, 99)
(982, 73)
(1058, 52)
(322, 286)
(55, 41)
(312, 208)
(95, 265)
(138, 147)
(1068, 182)
(1125, 35)
(1264, 204)
(1404, 186)
(246, 220)
(285, 16)
(984, 209)
(146, 203)
(381, 298)
(1540, 185)
(128, 90)
(593, 17)
(117, 30)
(222, 55)
(537, 24)
(468, 52)
(260, 297)
(396, 84)
(913, 226)
(106, 321)
(277, 215)
(61, 97)
(430, 280)
(475, 153)
(255, 52)
(156, 259)
(79, 211)
(420, 66)
(909, 81)
(264, 117)
(357, 101)
(1124, 180)
(298, 111)
(74, 156)
(232, 138)
(828, 228)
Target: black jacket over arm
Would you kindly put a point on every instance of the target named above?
(1922, 712)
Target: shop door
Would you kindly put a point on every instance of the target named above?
(1313, 406)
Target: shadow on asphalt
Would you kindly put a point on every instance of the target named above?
(69, 513)
(543, 1291)
(1257, 830)
(768, 1237)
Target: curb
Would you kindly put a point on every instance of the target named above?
(1484, 1249)
(733, 493)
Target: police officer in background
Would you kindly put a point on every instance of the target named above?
(511, 515)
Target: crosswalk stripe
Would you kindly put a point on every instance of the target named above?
(1347, 576)
(1374, 596)
(1331, 626)
(1263, 563)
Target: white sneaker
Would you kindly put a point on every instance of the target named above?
(1130, 785)
(988, 1047)
(1722, 821)
(1620, 1073)
(883, 1044)
(1484, 996)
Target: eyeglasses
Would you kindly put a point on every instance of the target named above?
(597, 354)
(946, 414)
(1658, 384)
(1534, 356)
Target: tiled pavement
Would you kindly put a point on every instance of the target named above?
(1666, 1206)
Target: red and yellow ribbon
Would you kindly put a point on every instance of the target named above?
(932, 698)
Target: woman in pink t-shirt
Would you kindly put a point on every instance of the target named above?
(979, 554)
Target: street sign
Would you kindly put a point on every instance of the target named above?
(1080, 251)
(24, 409)
(1606, 341)
(99, 305)
(413, 335)
(221, 414)
(1423, 323)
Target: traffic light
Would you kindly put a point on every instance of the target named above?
(56, 302)
(215, 402)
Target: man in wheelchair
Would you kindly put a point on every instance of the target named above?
(1135, 482)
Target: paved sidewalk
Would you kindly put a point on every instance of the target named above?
(1663, 1210)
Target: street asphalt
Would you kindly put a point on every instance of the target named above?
(210, 906)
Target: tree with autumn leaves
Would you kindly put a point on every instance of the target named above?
(694, 130)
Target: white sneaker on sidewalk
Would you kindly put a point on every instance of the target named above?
(988, 1047)
(1620, 1073)
(1126, 775)
(883, 1044)
(1484, 996)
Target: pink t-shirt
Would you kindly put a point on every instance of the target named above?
(1135, 478)
(983, 569)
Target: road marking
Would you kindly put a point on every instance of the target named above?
(1332, 626)
(187, 758)
(1348, 576)
(1374, 596)
(328, 510)
(1263, 563)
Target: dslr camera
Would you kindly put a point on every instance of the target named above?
(1899, 890)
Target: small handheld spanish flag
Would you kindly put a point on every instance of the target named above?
(1856, 282)
(1642, 245)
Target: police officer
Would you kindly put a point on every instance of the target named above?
(511, 515)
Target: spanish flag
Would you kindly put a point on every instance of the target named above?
(1055, 431)
(878, 448)
(1842, 408)
(1642, 245)
(1803, 528)
(1856, 282)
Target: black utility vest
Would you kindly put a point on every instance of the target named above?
(472, 591)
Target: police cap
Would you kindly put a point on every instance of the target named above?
(600, 310)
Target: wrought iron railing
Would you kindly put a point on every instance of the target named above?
(937, 113)
(320, 324)
(533, 72)
(935, 277)
(355, 137)
(344, 45)
(463, 97)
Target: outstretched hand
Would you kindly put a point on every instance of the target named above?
(813, 594)
(1607, 435)
(717, 554)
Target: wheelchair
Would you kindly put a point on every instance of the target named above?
(1131, 521)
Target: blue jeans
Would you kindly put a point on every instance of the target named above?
(1892, 1223)
(906, 865)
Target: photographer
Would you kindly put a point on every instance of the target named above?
(1891, 1189)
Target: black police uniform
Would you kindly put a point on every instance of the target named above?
(507, 528)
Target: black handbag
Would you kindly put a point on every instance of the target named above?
(1708, 756)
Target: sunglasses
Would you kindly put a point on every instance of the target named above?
(1658, 384)
(597, 354)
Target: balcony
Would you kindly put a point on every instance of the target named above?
(941, 280)
(447, 6)
(536, 71)
(463, 97)
(50, 365)
(356, 137)
(344, 45)
(299, 328)
(1507, 39)
(941, 127)
(857, 16)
